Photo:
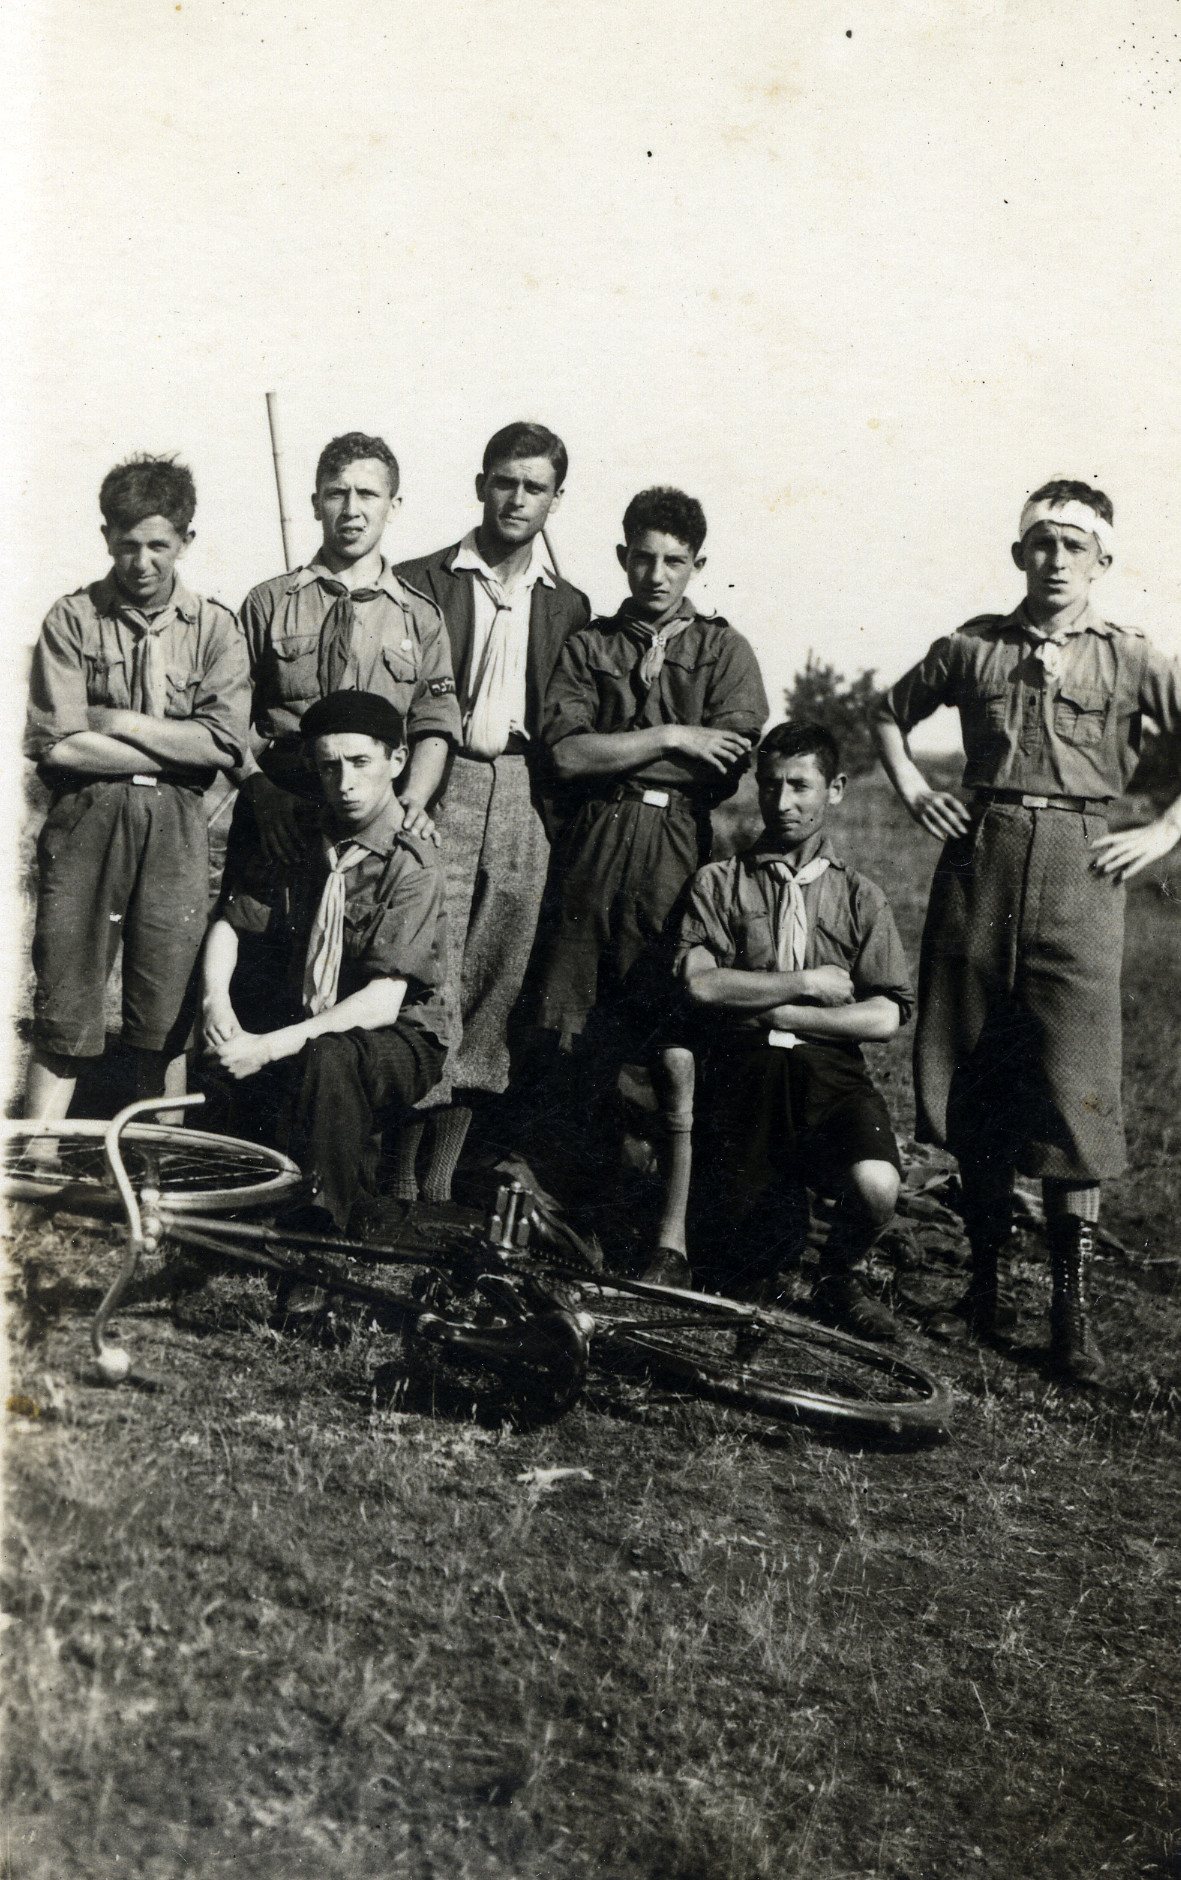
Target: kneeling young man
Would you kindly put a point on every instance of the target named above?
(358, 948)
(797, 962)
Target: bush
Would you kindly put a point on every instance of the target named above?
(822, 695)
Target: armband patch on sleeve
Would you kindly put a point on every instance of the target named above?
(439, 688)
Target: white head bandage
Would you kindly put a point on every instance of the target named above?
(1074, 514)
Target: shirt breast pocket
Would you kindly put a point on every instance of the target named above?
(996, 709)
(106, 681)
(1080, 717)
(295, 665)
(754, 950)
(182, 691)
(400, 664)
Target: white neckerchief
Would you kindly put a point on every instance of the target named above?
(148, 690)
(500, 647)
(791, 920)
(326, 940)
(1048, 648)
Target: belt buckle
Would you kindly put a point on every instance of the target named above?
(145, 781)
(782, 1040)
(655, 799)
(1035, 802)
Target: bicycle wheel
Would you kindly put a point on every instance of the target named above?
(764, 1360)
(195, 1171)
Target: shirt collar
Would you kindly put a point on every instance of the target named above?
(1088, 622)
(110, 599)
(819, 844)
(318, 570)
(685, 615)
(468, 559)
(380, 836)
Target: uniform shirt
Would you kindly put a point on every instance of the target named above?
(490, 601)
(86, 656)
(731, 912)
(394, 921)
(1076, 733)
(399, 651)
(710, 677)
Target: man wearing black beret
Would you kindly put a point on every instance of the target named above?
(348, 1021)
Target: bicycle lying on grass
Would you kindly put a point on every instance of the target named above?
(488, 1300)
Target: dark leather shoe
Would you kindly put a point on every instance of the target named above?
(842, 1299)
(667, 1267)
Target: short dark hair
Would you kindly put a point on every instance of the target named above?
(668, 510)
(1070, 490)
(527, 440)
(350, 447)
(148, 486)
(801, 739)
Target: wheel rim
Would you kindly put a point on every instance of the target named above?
(769, 1362)
(193, 1170)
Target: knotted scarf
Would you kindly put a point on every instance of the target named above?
(791, 920)
(326, 940)
(336, 634)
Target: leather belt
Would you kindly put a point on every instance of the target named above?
(655, 798)
(1024, 799)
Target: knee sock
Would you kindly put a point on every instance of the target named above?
(1078, 1198)
(850, 1240)
(450, 1129)
(405, 1185)
(678, 1161)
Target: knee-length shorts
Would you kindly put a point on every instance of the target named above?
(119, 861)
(1018, 1044)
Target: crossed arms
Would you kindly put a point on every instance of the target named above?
(818, 1002)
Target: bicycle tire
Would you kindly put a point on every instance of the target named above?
(765, 1361)
(195, 1171)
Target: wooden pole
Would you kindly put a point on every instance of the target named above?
(549, 549)
(285, 523)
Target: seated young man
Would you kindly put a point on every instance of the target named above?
(796, 962)
(357, 939)
(649, 719)
(138, 696)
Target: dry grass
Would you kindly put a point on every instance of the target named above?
(263, 1623)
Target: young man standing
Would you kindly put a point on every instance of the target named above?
(1018, 1049)
(508, 614)
(356, 932)
(651, 715)
(139, 694)
(345, 622)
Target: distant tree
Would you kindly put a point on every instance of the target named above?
(824, 696)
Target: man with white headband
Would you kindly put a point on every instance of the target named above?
(1018, 1046)
(342, 1022)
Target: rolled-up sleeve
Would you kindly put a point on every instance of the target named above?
(222, 700)
(736, 700)
(434, 710)
(1160, 691)
(881, 968)
(704, 922)
(407, 938)
(920, 691)
(57, 683)
(572, 696)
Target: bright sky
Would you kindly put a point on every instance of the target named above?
(858, 276)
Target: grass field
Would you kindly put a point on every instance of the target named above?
(265, 1620)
